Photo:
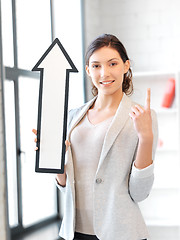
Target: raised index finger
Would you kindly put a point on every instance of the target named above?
(148, 99)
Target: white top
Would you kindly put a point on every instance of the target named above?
(86, 143)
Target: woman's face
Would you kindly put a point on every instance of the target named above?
(107, 70)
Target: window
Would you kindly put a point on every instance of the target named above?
(38, 190)
(67, 27)
(27, 31)
(11, 152)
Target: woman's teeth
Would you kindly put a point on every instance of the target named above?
(107, 82)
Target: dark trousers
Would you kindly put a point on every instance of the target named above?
(82, 236)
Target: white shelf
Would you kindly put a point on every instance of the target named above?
(164, 223)
(165, 150)
(162, 207)
(172, 186)
(167, 110)
(155, 73)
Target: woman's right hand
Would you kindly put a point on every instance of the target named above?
(35, 140)
(61, 178)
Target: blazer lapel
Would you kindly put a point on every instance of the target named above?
(77, 116)
(80, 115)
(119, 120)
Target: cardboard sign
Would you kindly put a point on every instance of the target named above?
(55, 66)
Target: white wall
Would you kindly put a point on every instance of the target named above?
(91, 29)
(149, 29)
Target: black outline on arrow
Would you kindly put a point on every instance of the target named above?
(41, 70)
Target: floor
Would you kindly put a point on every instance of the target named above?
(50, 232)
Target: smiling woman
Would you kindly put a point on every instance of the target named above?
(110, 153)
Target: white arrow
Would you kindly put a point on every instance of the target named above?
(55, 66)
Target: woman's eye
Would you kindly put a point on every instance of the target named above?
(95, 66)
(113, 64)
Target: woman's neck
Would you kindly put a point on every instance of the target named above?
(107, 102)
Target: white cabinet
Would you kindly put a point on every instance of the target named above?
(162, 207)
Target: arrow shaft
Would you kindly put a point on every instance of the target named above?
(51, 125)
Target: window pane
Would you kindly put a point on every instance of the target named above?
(68, 28)
(38, 189)
(33, 31)
(7, 33)
(11, 152)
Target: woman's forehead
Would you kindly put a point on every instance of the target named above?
(105, 54)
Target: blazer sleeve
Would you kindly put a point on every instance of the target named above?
(62, 189)
(141, 180)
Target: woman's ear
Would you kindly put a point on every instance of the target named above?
(87, 70)
(126, 66)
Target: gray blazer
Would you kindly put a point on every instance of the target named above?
(118, 185)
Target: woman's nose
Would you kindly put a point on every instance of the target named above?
(104, 72)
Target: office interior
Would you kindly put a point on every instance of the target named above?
(31, 207)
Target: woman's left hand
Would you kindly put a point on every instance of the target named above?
(141, 117)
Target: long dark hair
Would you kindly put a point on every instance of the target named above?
(108, 40)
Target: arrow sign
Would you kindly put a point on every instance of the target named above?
(54, 66)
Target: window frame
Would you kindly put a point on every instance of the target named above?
(13, 74)
(2, 75)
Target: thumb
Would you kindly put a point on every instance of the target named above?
(67, 144)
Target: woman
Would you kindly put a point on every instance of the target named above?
(110, 150)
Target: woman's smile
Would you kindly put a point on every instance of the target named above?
(107, 83)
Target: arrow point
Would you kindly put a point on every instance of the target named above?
(39, 65)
